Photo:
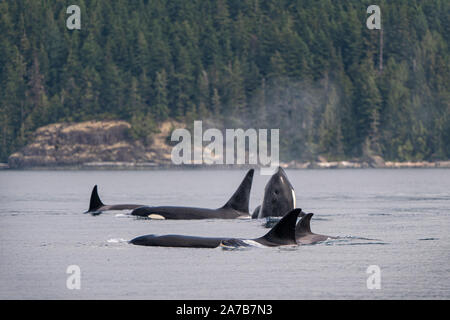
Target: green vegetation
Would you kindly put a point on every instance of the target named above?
(310, 68)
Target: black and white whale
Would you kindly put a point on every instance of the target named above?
(303, 233)
(236, 207)
(96, 205)
(282, 234)
(279, 197)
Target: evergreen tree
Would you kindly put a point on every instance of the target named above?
(310, 68)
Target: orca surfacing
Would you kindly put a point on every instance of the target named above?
(96, 205)
(282, 234)
(236, 207)
(303, 233)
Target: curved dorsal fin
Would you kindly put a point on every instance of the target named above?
(284, 231)
(240, 199)
(95, 201)
(304, 225)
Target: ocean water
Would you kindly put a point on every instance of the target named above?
(398, 220)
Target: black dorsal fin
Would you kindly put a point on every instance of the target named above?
(304, 225)
(95, 202)
(240, 199)
(283, 232)
(256, 212)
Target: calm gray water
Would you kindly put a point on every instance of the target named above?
(43, 231)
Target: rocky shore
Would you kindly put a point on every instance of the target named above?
(92, 144)
(121, 165)
(364, 164)
(108, 145)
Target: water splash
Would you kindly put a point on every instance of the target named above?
(117, 240)
(352, 241)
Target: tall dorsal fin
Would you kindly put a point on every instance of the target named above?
(240, 199)
(304, 225)
(284, 231)
(95, 201)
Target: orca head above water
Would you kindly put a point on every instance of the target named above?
(279, 197)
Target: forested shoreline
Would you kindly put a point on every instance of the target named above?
(310, 68)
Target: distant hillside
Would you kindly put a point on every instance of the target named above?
(310, 68)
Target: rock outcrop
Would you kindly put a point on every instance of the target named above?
(89, 143)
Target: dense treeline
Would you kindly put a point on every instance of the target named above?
(311, 68)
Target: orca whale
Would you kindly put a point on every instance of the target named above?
(279, 197)
(303, 232)
(96, 205)
(282, 234)
(236, 207)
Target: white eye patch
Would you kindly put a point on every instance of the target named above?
(294, 199)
